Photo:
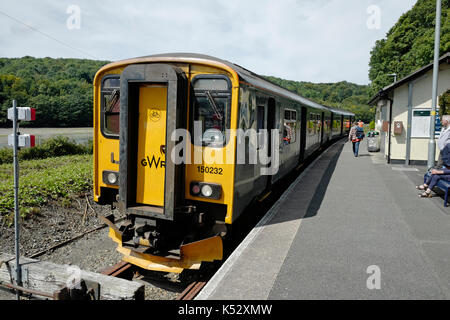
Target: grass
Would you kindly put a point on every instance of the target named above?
(44, 180)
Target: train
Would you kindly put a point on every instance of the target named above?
(184, 143)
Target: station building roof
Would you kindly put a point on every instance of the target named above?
(383, 93)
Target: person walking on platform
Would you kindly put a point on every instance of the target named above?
(356, 136)
(444, 138)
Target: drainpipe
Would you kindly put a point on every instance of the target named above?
(390, 129)
(408, 131)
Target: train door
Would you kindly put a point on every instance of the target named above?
(153, 106)
(271, 124)
(303, 132)
(322, 128)
(151, 144)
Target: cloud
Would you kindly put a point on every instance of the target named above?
(307, 40)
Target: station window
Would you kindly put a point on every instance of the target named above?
(211, 106)
(110, 105)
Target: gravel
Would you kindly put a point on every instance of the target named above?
(93, 252)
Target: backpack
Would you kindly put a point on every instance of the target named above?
(360, 133)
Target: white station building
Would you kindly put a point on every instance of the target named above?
(403, 111)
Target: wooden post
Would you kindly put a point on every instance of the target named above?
(51, 279)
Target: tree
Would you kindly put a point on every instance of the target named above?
(59, 89)
(444, 103)
(409, 45)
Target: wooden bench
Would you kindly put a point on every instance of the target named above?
(442, 185)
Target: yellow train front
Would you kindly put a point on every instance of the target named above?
(165, 150)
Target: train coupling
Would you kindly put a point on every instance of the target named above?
(191, 255)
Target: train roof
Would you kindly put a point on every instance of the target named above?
(249, 77)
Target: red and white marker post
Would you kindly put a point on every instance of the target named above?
(17, 141)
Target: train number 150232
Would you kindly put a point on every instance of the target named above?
(210, 170)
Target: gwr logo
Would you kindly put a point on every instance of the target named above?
(157, 163)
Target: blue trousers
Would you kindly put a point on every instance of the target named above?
(356, 148)
(434, 178)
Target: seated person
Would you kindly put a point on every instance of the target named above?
(437, 175)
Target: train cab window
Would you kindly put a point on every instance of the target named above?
(212, 107)
(110, 105)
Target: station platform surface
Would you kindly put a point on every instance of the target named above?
(347, 228)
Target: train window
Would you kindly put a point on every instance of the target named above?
(260, 119)
(287, 115)
(294, 115)
(211, 84)
(312, 123)
(111, 105)
(211, 106)
(111, 83)
(290, 127)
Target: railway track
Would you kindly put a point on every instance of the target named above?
(192, 290)
(125, 270)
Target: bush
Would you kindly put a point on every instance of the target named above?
(6, 155)
(53, 147)
(372, 125)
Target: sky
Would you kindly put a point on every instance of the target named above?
(318, 41)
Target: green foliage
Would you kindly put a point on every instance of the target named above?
(372, 125)
(53, 147)
(444, 103)
(59, 89)
(341, 95)
(409, 45)
(42, 181)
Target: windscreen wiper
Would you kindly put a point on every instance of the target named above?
(113, 99)
(213, 104)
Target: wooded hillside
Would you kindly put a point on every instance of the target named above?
(341, 95)
(61, 91)
(409, 45)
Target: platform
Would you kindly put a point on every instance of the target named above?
(342, 221)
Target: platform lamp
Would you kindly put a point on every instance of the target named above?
(437, 40)
(393, 75)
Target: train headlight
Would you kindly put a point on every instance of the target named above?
(111, 178)
(206, 190)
